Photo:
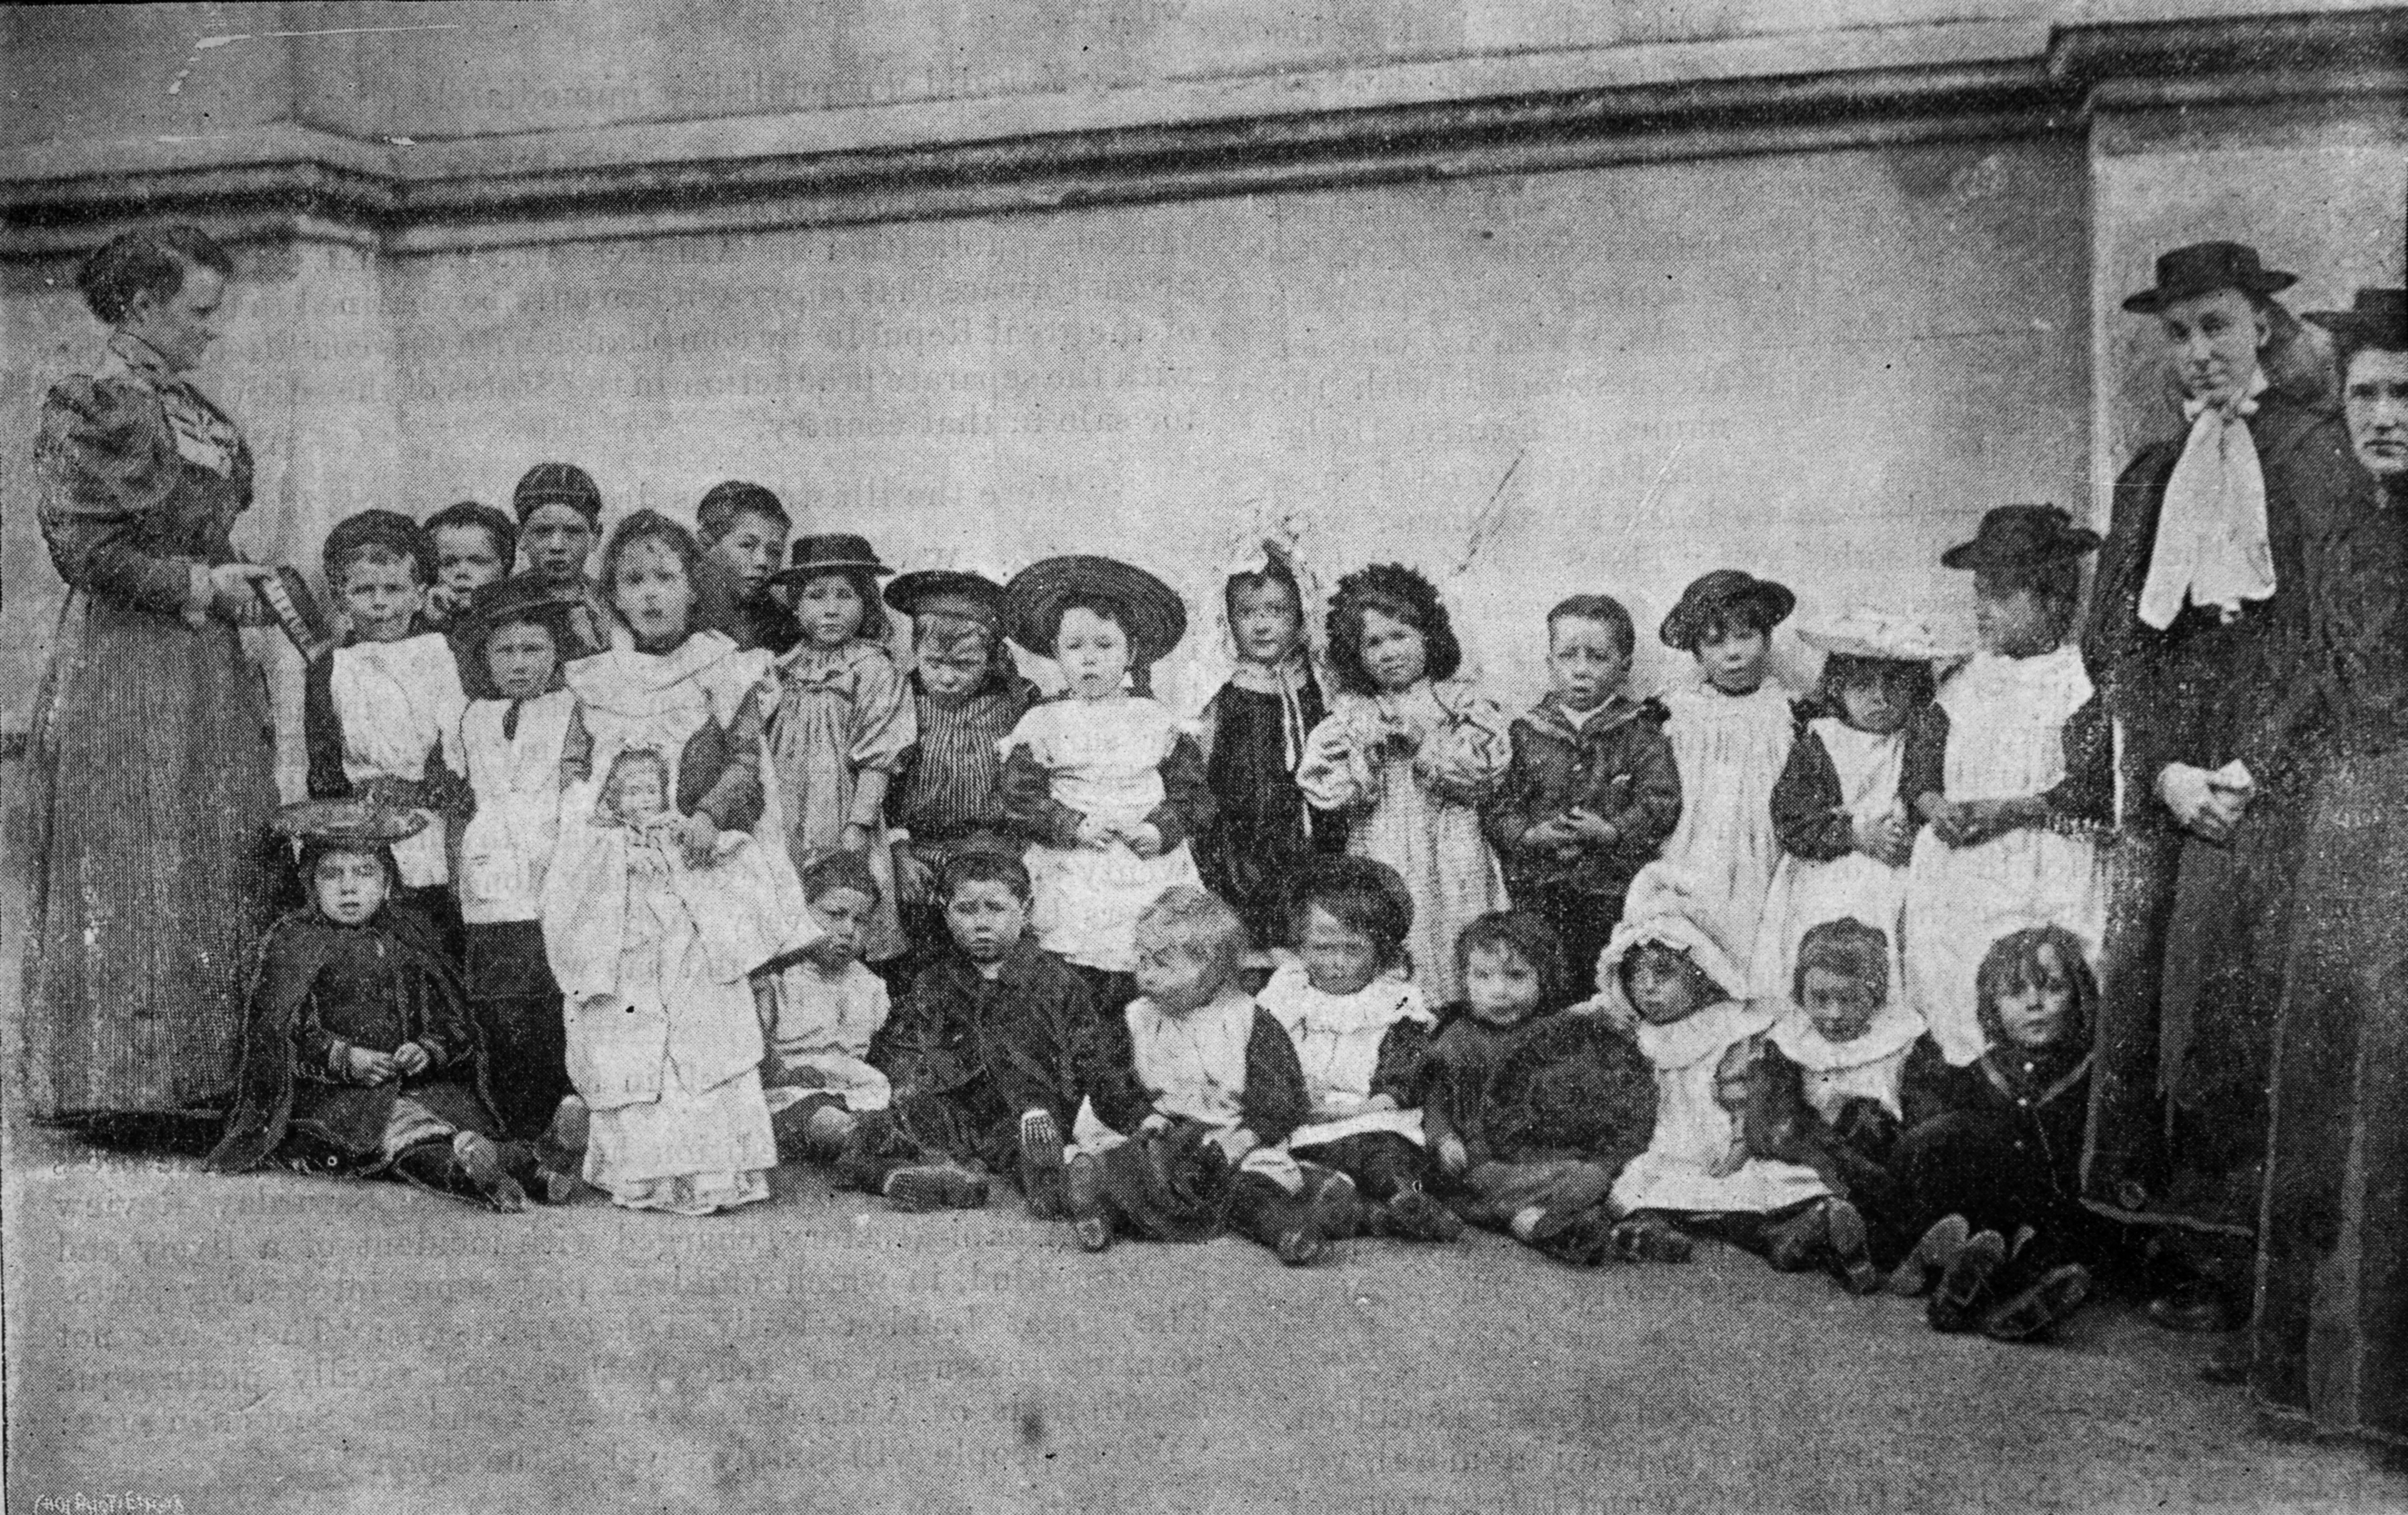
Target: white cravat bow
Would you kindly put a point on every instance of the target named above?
(2212, 548)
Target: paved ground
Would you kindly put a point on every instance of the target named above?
(278, 1343)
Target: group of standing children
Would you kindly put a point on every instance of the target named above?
(649, 878)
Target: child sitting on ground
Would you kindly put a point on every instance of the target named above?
(1697, 1174)
(821, 1010)
(1826, 1091)
(1359, 1030)
(986, 1051)
(1181, 1137)
(1996, 1167)
(361, 1056)
(1593, 790)
(381, 715)
(1531, 1110)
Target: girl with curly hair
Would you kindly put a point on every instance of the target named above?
(1407, 752)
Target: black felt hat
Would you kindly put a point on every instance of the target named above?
(2206, 267)
(359, 823)
(950, 591)
(556, 483)
(832, 553)
(1158, 618)
(2375, 318)
(1718, 594)
(521, 597)
(387, 530)
(2016, 534)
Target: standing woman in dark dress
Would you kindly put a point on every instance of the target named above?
(2194, 618)
(2330, 1346)
(151, 753)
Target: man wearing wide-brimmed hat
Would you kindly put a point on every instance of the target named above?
(2330, 1341)
(2193, 630)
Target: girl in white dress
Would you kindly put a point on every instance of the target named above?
(1730, 732)
(669, 886)
(1840, 810)
(1670, 977)
(1409, 751)
(2011, 769)
(1105, 780)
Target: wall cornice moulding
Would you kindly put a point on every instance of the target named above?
(1525, 114)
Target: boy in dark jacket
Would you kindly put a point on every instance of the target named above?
(986, 1051)
(1591, 792)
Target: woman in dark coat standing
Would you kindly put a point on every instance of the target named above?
(2195, 620)
(152, 752)
(2330, 1346)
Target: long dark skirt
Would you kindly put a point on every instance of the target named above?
(2330, 1340)
(154, 875)
(2186, 1144)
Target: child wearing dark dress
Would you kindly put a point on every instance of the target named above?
(381, 715)
(1349, 1005)
(1183, 1134)
(1592, 791)
(1996, 1163)
(986, 1053)
(1827, 1092)
(1253, 732)
(360, 1054)
(948, 790)
(1531, 1110)
(511, 747)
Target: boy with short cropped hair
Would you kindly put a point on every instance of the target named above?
(743, 529)
(1592, 791)
(380, 713)
(990, 1050)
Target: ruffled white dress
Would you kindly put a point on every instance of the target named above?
(2006, 732)
(1867, 1068)
(1338, 1039)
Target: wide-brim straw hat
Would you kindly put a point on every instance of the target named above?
(2017, 535)
(1158, 618)
(362, 823)
(1867, 631)
(2204, 267)
(835, 552)
(1714, 596)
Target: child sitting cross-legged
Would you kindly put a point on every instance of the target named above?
(360, 1054)
(1359, 1030)
(1531, 1109)
(1181, 1137)
(986, 1052)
